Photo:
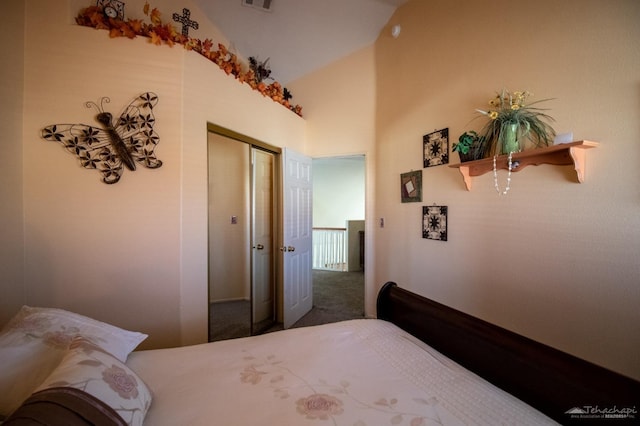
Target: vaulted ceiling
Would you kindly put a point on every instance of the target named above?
(298, 36)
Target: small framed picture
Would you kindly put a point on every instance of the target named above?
(411, 187)
(436, 148)
(434, 222)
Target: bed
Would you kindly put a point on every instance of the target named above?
(418, 363)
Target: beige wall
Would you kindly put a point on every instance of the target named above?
(11, 211)
(338, 181)
(339, 104)
(210, 95)
(554, 260)
(134, 253)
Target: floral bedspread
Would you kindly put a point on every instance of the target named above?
(356, 373)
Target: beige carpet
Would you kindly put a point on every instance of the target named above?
(337, 296)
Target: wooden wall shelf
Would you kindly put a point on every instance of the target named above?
(559, 155)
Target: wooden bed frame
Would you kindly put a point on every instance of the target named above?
(550, 380)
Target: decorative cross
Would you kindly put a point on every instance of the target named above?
(185, 21)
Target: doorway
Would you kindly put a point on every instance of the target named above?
(339, 204)
(242, 279)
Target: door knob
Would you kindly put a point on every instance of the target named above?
(259, 247)
(290, 248)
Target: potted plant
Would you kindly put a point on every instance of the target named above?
(470, 146)
(513, 122)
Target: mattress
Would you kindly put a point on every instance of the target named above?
(357, 372)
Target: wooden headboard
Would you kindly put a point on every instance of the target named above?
(550, 380)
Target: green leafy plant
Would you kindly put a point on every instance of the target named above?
(470, 146)
(510, 112)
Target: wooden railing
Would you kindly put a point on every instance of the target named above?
(330, 249)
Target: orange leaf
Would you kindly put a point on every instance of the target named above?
(97, 19)
(190, 45)
(127, 31)
(155, 38)
(146, 8)
(155, 17)
(136, 25)
(172, 31)
(207, 45)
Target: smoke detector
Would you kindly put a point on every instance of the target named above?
(263, 5)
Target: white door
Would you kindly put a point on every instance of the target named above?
(297, 233)
(263, 278)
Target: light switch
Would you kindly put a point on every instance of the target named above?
(234, 220)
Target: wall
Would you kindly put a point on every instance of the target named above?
(134, 253)
(338, 191)
(11, 211)
(339, 105)
(554, 260)
(212, 96)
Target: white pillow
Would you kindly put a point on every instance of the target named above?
(33, 343)
(87, 367)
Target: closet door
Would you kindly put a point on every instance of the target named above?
(263, 271)
(229, 238)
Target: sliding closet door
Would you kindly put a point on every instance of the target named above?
(263, 237)
(242, 237)
(229, 238)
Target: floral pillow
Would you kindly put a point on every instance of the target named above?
(89, 368)
(33, 343)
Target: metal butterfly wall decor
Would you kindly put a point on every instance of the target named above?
(112, 146)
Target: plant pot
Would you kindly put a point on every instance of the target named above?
(510, 138)
(466, 157)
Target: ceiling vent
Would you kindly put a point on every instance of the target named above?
(263, 5)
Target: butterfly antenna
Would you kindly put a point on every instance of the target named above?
(104, 100)
(99, 108)
(91, 104)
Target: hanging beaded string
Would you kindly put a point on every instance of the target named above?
(495, 175)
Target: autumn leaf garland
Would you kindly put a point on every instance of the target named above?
(165, 33)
